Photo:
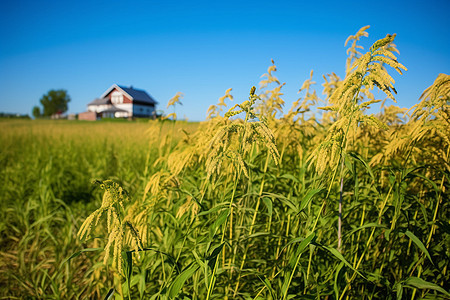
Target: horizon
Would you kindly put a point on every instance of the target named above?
(202, 49)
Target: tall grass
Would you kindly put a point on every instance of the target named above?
(325, 201)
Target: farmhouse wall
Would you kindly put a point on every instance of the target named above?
(125, 106)
(88, 116)
(143, 110)
(125, 97)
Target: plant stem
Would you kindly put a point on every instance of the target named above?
(213, 276)
(340, 207)
(253, 223)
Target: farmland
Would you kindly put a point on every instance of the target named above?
(319, 201)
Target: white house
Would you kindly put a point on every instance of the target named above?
(123, 102)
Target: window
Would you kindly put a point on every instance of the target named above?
(116, 97)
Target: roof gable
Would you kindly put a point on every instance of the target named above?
(100, 101)
(132, 93)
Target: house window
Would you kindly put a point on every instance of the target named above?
(116, 97)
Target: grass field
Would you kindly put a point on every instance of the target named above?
(323, 202)
(47, 168)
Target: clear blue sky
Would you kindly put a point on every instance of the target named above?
(202, 48)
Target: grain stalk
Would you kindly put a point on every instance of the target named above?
(365, 71)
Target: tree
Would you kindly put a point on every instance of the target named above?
(55, 102)
(36, 112)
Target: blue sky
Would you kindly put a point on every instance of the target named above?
(202, 48)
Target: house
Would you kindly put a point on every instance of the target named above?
(122, 102)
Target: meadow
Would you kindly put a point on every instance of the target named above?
(324, 201)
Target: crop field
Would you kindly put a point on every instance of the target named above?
(322, 200)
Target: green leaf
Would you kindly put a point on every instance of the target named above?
(293, 262)
(431, 182)
(129, 262)
(212, 210)
(399, 289)
(268, 286)
(284, 200)
(365, 164)
(419, 283)
(219, 221)
(365, 226)
(347, 162)
(134, 280)
(305, 201)
(303, 244)
(81, 251)
(339, 256)
(181, 279)
(336, 279)
(268, 203)
(419, 244)
(289, 176)
(110, 294)
(141, 283)
(293, 241)
(256, 234)
(212, 258)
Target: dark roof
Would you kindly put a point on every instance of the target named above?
(139, 95)
(100, 101)
(135, 94)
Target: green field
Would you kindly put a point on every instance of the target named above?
(323, 202)
(47, 169)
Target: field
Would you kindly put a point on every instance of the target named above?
(325, 201)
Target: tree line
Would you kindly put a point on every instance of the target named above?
(53, 102)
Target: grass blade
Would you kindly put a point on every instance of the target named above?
(419, 244)
(339, 256)
(418, 283)
(181, 279)
(81, 251)
(305, 201)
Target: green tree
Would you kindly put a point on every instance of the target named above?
(55, 102)
(36, 112)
